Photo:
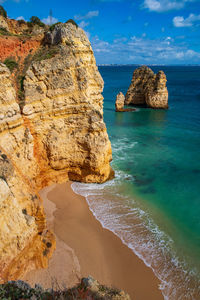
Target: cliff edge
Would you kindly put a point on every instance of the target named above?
(51, 130)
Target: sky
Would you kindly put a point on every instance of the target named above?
(126, 31)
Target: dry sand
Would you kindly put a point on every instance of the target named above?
(85, 248)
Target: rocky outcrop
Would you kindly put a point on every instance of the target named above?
(18, 27)
(57, 133)
(101, 291)
(4, 23)
(119, 104)
(147, 89)
(88, 288)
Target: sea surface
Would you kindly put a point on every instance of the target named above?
(153, 204)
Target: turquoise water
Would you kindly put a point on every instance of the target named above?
(153, 204)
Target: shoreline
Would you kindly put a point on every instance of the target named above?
(85, 248)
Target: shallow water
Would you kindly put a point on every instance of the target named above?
(153, 204)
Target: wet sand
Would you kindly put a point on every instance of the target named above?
(85, 248)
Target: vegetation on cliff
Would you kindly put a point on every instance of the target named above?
(3, 12)
(45, 53)
(11, 63)
(4, 31)
(35, 21)
(88, 288)
(72, 22)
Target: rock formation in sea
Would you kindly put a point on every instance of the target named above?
(147, 89)
(119, 104)
(51, 130)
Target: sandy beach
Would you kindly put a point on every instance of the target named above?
(85, 248)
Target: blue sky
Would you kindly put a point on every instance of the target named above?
(127, 31)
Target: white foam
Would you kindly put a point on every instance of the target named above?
(145, 239)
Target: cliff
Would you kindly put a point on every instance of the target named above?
(147, 89)
(51, 130)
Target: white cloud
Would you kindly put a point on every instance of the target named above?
(89, 15)
(164, 5)
(49, 20)
(120, 40)
(20, 18)
(142, 50)
(88, 34)
(83, 24)
(179, 21)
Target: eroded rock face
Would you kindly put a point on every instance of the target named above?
(55, 135)
(147, 89)
(25, 242)
(3, 23)
(64, 107)
(157, 96)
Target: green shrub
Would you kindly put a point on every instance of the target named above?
(4, 31)
(72, 22)
(3, 12)
(36, 21)
(46, 53)
(21, 96)
(21, 82)
(30, 24)
(20, 22)
(11, 64)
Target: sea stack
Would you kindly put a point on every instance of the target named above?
(119, 104)
(147, 89)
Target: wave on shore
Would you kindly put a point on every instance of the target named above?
(118, 212)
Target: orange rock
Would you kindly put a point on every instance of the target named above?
(18, 48)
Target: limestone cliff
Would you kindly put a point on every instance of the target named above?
(147, 89)
(51, 130)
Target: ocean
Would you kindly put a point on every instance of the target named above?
(153, 203)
